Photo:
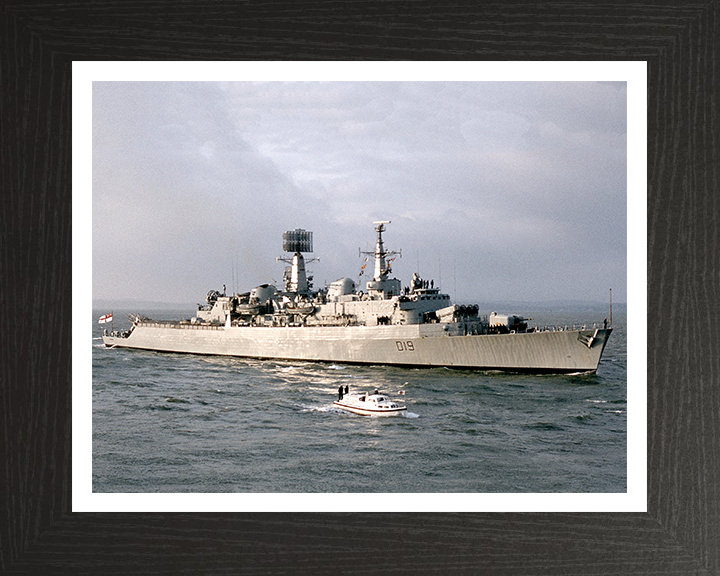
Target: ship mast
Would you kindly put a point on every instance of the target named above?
(381, 267)
(380, 286)
(297, 241)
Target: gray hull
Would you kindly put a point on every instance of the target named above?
(421, 345)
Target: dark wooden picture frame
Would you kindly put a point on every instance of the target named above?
(680, 532)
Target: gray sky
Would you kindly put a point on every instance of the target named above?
(497, 190)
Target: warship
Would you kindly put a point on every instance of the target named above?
(387, 324)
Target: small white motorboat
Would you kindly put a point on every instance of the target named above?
(368, 404)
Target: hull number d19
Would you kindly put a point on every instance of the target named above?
(407, 346)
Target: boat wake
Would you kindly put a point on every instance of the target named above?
(307, 408)
(292, 368)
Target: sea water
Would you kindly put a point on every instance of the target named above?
(166, 422)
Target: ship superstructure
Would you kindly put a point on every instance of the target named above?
(387, 323)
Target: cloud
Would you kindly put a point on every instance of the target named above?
(515, 182)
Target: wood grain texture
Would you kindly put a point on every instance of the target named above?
(680, 534)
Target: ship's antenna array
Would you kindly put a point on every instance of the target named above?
(382, 266)
(295, 277)
(297, 240)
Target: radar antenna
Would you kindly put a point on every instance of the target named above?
(296, 279)
(382, 267)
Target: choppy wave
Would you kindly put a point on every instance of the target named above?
(169, 422)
